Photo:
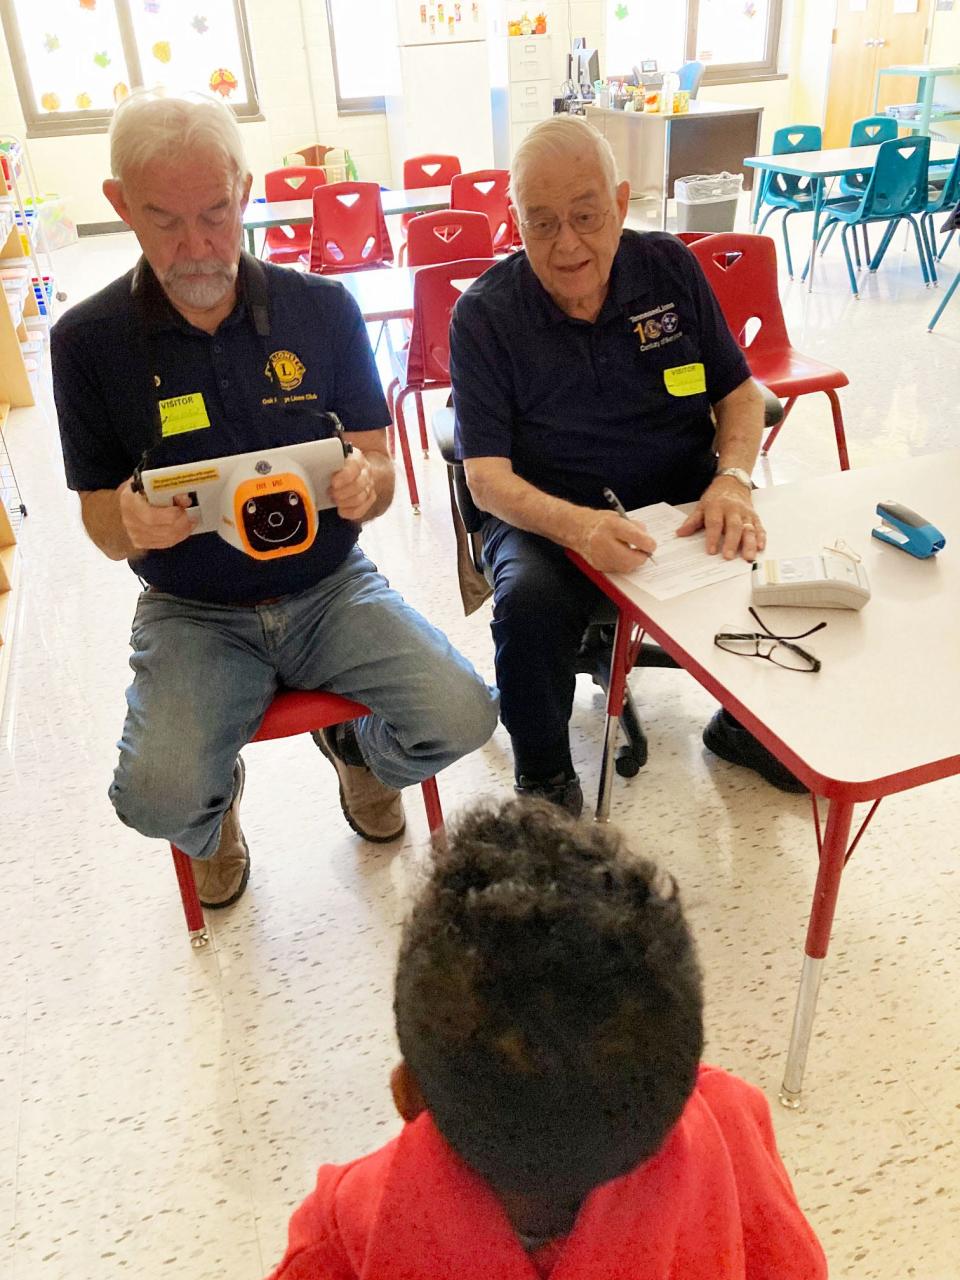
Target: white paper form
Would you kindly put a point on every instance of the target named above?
(679, 564)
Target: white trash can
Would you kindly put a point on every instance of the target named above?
(707, 202)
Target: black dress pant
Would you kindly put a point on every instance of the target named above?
(542, 604)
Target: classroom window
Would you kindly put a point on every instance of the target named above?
(362, 45)
(74, 60)
(737, 39)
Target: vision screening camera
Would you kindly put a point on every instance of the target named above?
(264, 503)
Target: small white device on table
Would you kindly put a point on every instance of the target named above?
(828, 579)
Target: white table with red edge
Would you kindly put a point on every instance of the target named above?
(880, 717)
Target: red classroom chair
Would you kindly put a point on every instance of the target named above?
(349, 230)
(742, 271)
(289, 714)
(424, 171)
(447, 235)
(488, 191)
(298, 182)
(424, 364)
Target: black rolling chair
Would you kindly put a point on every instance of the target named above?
(596, 649)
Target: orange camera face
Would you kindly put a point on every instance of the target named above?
(274, 516)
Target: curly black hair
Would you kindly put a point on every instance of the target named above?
(548, 1001)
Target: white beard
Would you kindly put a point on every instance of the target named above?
(203, 286)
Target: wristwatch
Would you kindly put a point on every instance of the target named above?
(738, 473)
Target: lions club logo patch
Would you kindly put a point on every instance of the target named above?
(289, 369)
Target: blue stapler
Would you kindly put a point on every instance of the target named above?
(910, 532)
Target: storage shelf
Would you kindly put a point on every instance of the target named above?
(926, 78)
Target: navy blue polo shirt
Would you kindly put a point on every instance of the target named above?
(117, 353)
(623, 402)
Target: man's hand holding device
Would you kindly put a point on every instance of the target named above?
(152, 528)
(353, 489)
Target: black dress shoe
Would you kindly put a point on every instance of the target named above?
(562, 790)
(729, 740)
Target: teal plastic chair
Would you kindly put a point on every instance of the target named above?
(868, 132)
(691, 73)
(950, 226)
(942, 194)
(896, 191)
(787, 191)
(939, 199)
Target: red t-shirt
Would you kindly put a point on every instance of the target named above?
(715, 1201)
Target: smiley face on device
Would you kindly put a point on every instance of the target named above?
(275, 520)
(274, 515)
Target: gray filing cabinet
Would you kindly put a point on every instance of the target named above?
(522, 91)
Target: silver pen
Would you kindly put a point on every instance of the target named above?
(618, 507)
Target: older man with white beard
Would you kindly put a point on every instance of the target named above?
(202, 351)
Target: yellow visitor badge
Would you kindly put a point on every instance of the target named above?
(183, 413)
(685, 380)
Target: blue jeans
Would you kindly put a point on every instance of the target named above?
(204, 674)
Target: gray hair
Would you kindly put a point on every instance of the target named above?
(150, 125)
(556, 141)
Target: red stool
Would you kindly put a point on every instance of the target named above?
(289, 714)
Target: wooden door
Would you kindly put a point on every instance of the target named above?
(868, 35)
(852, 68)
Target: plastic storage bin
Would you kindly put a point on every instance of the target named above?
(707, 202)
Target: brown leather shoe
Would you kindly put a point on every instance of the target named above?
(373, 810)
(221, 880)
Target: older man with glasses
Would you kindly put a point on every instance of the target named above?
(596, 359)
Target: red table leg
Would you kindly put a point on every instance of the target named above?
(833, 855)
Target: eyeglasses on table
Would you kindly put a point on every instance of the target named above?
(780, 650)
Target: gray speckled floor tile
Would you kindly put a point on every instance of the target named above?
(162, 1111)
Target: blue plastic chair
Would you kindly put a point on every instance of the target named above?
(896, 190)
(939, 199)
(787, 191)
(691, 73)
(868, 132)
(950, 226)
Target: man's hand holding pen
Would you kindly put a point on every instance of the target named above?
(612, 542)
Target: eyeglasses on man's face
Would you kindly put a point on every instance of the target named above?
(546, 226)
(780, 650)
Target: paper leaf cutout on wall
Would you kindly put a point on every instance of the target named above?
(200, 25)
(51, 42)
(120, 91)
(621, 12)
(84, 101)
(162, 51)
(50, 102)
(102, 59)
